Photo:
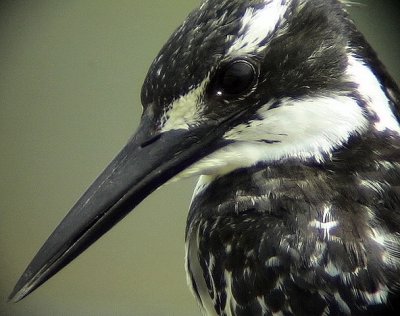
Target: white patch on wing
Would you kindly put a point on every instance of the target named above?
(257, 24)
(325, 227)
(231, 303)
(325, 224)
(185, 111)
(344, 308)
(202, 184)
(261, 302)
(273, 262)
(378, 236)
(378, 297)
(371, 90)
(373, 185)
(317, 255)
(349, 3)
(331, 269)
(194, 270)
(309, 128)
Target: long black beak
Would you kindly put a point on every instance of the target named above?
(143, 165)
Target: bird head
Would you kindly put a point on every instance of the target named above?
(239, 83)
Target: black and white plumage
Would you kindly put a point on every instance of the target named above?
(292, 122)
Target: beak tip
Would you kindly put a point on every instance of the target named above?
(21, 290)
(16, 296)
(135, 172)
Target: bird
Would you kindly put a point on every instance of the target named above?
(291, 122)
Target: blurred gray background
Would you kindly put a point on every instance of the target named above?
(70, 79)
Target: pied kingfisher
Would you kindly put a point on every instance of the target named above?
(292, 123)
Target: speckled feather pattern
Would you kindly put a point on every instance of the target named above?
(292, 122)
(301, 232)
(257, 227)
(310, 237)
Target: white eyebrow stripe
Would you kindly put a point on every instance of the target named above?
(257, 24)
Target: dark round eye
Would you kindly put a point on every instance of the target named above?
(236, 78)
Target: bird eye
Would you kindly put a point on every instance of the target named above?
(236, 78)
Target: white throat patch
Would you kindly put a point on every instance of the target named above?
(308, 128)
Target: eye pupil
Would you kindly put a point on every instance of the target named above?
(237, 77)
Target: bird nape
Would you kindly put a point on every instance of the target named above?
(292, 123)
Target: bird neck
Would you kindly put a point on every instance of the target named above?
(338, 219)
(358, 174)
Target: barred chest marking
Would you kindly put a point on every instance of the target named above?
(274, 252)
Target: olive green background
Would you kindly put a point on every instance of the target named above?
(70, 79)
